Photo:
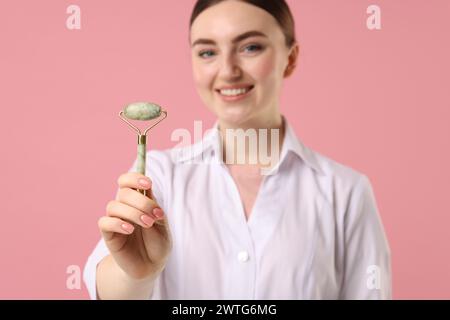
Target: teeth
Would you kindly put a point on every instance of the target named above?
(233, 92)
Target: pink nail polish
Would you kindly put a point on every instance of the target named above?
(127, 227)
(144, 182)
(158, 212)
(147, 220)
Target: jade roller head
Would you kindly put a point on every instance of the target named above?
(142, 111)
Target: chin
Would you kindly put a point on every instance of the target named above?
(234, 116)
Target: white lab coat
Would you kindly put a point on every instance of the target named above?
(314, 232)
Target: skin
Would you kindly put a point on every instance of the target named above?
(261, 61)
(139, 251)
(136, 232)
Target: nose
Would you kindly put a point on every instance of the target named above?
(230, 69)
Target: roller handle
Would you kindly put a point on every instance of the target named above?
(141, 154)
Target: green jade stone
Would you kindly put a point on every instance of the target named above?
(142, 111)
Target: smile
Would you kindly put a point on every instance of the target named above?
(234, 93)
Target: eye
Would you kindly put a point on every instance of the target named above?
(254, 47)
(202, 53)
(251, 48)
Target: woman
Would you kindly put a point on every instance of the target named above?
(306, 228)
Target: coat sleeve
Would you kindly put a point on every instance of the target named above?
(154, 172)
(367, 262)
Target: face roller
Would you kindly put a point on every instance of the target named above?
(142, 111)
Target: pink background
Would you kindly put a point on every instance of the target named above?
(377, 101)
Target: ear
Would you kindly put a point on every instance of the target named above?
(292, 60)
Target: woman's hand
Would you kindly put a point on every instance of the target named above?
(135, 229)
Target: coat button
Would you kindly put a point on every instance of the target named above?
(243, 256)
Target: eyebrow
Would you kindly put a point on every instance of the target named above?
(241, 37)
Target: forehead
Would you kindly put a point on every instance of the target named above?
(230, 18)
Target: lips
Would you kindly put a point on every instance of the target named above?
(235, 93)
(238, 86)
(235, 89)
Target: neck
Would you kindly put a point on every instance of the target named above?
(253, 143)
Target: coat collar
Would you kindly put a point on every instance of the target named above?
(209, 149)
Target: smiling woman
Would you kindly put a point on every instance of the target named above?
(239, 70)
(308, 228)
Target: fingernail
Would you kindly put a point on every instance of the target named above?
(158, 212)
(127, 227)
(147, 220)
(144, 182)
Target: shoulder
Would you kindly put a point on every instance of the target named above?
(336, 171)
(167, 161)
(159, 162)
(339, 181)
(162, 157)
(172, 156)
(349, 195)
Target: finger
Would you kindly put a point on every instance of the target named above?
(134, 180)
(161, 218)
(137, 200)
(128, 213)
(158, 213)
(110, 225)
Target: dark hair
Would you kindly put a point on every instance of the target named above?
(277, 8)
